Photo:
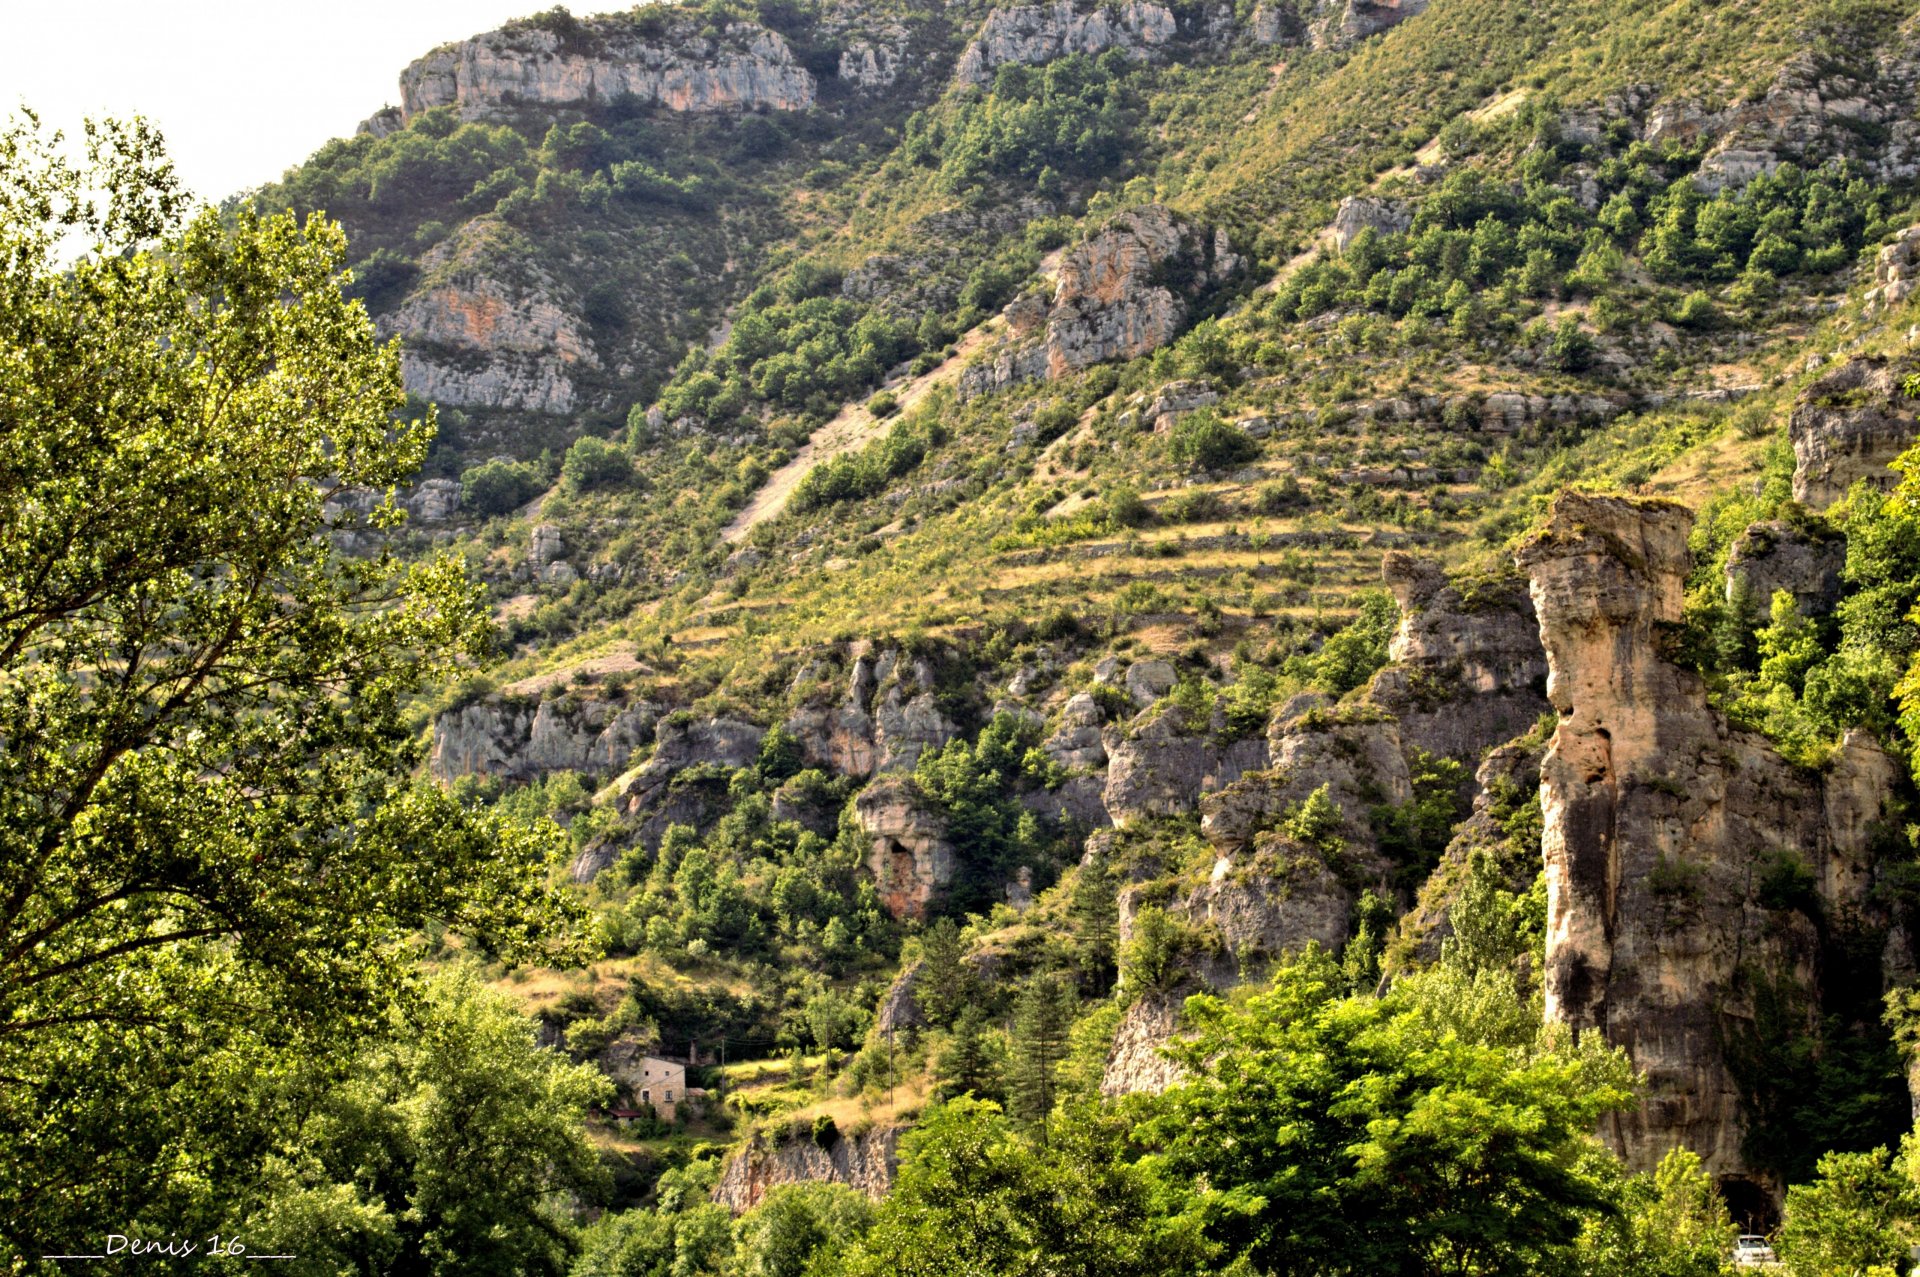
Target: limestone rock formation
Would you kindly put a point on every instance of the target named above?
(1504, 781)
(1355, 20)
(1896, 270)
(1468, 669)
(434, 501)
(841, 737)
(1039, 33)
(912, 860)
(474, 340)
(1660, 821)
(1122, 293)
(523, 739)
(1135, 1063)
(866, 1161)
(1848, 426)
(681, 743)
(678, 66)
(1075, 741)
(1368, 212)
(1160, 764)
(1275, 24)
(870, 65)
(1803, 561)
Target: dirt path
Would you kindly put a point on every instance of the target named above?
(854, 427)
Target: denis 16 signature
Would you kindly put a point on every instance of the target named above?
(121, 1246)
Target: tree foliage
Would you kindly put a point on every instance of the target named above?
(212, 847)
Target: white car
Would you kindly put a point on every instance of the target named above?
(1752, 1251)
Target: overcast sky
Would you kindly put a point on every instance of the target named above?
(243, 89)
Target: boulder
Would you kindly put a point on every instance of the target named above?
(1369, 212)
(1148, 681)
(1161, 765)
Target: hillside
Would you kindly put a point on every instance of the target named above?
(1005, 517)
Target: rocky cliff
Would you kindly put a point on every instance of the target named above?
(1126, 291)
(866, 1161)
(519, 739)
(669, 62)
(1468, 671)
(477, 339)
(1847, 426)
(1662, 821)
(1039, 33)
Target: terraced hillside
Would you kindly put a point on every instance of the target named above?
(1009, 516)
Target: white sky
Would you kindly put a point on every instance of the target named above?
(242, 89)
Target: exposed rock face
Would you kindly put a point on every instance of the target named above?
(870, 65)
(1160, 765)
(1033, 34)
(1355, 20)
(382, 123)
(434, 501)
(1112, 298)
(1368, 212)
(747, 67)
(1275, 24)
(476, 341)
(1148, 681)
(1896, 271)
(1135, 1065)
(680, 744)
(1848, 426)
(866, 1162)
(1782, 556)
(900, 1005)
(911, 859)
(1660, 819)
(521, 739)
(1357, 756)
(1076, 741)
(1468, 672)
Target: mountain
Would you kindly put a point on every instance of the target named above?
(1208, 479)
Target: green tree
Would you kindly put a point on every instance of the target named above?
(498, 486)
(212, 846)
(1671, 1223)
(944, 984)
(969, 1063)
(1314, 1117)
(1094, 912)
(976, 1197)
(1203, 441)
(1042, 1020)
(595, 463)
(451, 1146)
(1856, 1217)
(800, 1229)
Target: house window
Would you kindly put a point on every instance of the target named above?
(669, 1097)
(646, 1097)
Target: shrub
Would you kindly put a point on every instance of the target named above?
(595, 463)
(499, 486)
(1202, 440)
